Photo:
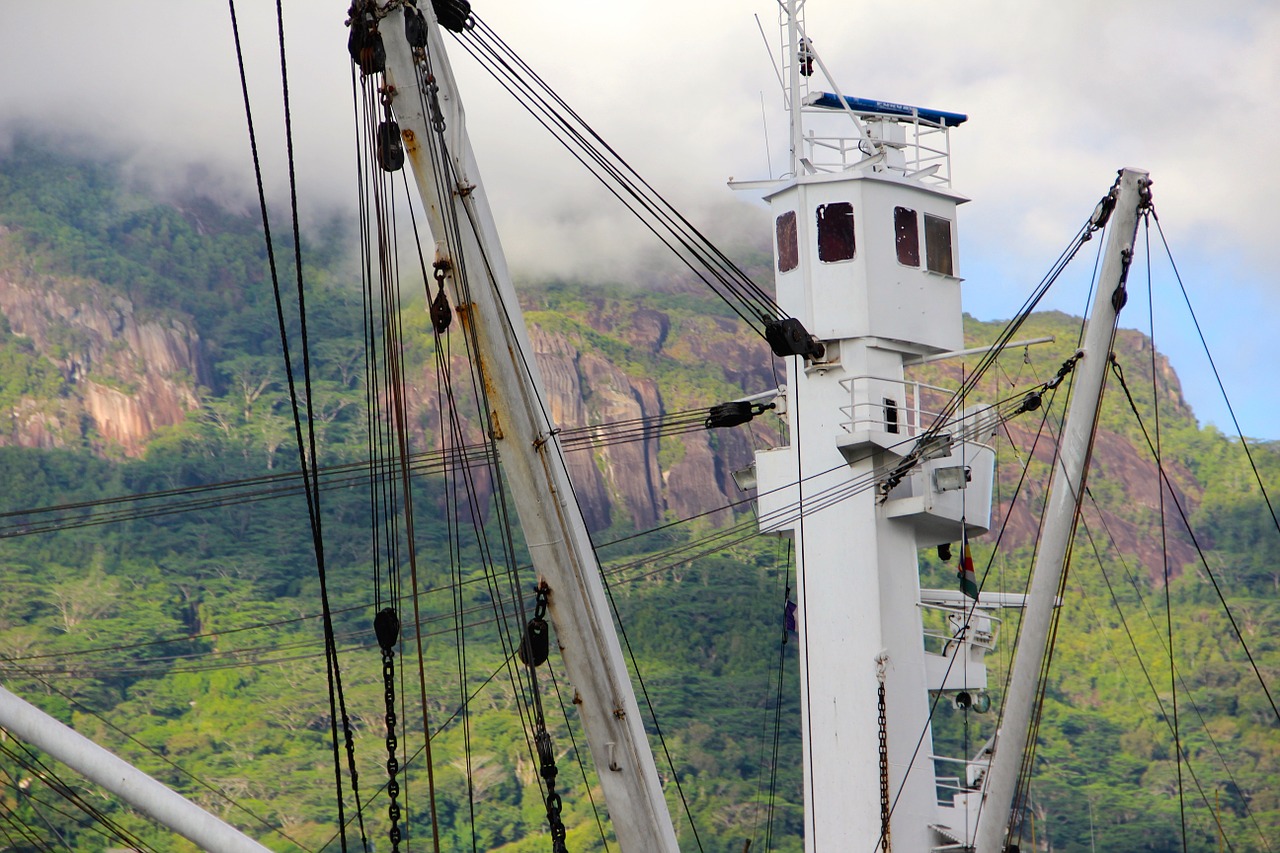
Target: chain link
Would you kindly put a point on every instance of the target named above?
(542, 739)
(387, 628)
(883, 722)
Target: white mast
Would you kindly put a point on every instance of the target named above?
(865, 260)
(168, 808)
(533, 463)
(1065, 494)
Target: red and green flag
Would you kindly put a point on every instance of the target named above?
(968, 579)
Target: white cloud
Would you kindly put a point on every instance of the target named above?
(1059, 96)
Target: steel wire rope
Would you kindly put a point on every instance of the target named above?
(439, 730)
(37, 802)
(503, 308)
(663, 216)
(933, 707)
(443, 167)
(396, 445)
(23, 830)
(777, 707)
(421, 463)
(1244, 444)
(387, 432)
(723, 262)
(1133, 582)
(154, 753)
(1116, 605)
(37, 766)
(1164, 535)
(334, 677)
(1204, 560)
(551, 442)
(39, 805)
(1022, 787)
(1082, 236)
(618, 569)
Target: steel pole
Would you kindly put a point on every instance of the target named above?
(1066, 489)
(34, 727)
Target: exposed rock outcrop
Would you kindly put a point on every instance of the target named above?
(124, 376)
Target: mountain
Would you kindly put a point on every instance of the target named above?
(140, 357)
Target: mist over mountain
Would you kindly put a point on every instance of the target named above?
(157, 575)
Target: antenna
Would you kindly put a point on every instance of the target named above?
(764, 119)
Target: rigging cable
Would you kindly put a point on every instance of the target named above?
(986, 573)
(1155, 693)
(332, 669)
(391, 492)
(1164, 537)
(1217, 377)
(161, 756)
(1204, 561)
(461, 280)
(458, 269)
(706, 261)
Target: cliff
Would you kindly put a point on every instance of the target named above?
(122, 376)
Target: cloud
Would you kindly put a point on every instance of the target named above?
(1059, 96)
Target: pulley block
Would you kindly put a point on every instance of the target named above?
(536, 644)
(365, 44)
(788, 337)
(390, 148)
(386, 626)
(454, 15)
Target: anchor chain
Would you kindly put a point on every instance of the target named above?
(883, 723)
(386, 626)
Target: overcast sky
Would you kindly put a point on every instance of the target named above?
(1059, 95)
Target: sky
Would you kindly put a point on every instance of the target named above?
(1059, 96)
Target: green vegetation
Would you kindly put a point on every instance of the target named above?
(185, 632)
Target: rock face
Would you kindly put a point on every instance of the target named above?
(123, 376)
(652, 476)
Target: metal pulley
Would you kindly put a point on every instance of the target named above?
(441, 313)
(453, 15)
(390, 148)
(788, 337)
(535, 646)
(415, 27)
(386, 627)
(365, 43)
(734, 413)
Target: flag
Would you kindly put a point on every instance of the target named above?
(968, 580)
(789, 617)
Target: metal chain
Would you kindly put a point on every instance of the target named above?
(883, 723)
(387, 627)
(541, 737)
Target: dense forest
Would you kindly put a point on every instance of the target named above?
(166, 600)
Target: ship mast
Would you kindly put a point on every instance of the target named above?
(429, 111)
(864, 239)
(1066, 490)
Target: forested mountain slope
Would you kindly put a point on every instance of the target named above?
(140, 357)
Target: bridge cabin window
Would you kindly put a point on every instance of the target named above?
(906, 229)
(890, 415)
(937, 244)
(835, 232)
(788, 243)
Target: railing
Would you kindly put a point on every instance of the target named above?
(974, 771)
(981, 632)
(925, 146)
(922, 403)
